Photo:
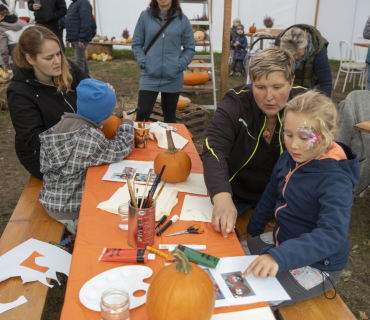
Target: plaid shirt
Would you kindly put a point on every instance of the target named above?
(65, 158)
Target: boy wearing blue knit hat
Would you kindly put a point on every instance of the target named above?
(74, 144)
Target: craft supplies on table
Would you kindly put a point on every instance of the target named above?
(197, 209)
(126, 255)
(115, 304)
(193, 184)
(158, 132)
(194, 229)
(172, 220)
(171, 247)
(141, 135)
(129, 278)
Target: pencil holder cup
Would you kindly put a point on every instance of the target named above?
(141, 224)
(141, 136)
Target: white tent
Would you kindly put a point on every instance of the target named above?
(337, 19)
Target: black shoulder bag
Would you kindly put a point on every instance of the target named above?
(155, 38)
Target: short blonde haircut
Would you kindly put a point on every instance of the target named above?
(236, 20)
(320, 108)
(294, 39)
(271, 60)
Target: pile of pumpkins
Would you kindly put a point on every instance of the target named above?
(196, 76)
(120, 40)
(99, 57)
(3, 74)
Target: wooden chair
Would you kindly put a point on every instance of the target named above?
(29, 220)
(318, 308)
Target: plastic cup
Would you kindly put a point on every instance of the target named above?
(141, 136)
(115, 304)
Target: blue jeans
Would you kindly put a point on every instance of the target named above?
(244, 206)
(80, 57)
(368, 78)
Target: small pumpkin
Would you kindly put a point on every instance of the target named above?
(94, 56)
(178, 163)
(111, 126)
(6, 75)
(252, 29)
(182, 293)
(187, 100)
(109, 58)
(87, 55)
(197, 61)
(100, 57)
(181, 105)
(118, 40)
(196, 78)
(102, 54)
(129, 40)
(96, 39)
(198, 36)
(1, 72)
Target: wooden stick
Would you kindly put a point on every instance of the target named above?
(159, 193)
(131, 193)
(146, 187)
(133, 185)
(317, 12)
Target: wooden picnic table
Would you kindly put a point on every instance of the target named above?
(274, 33)
(362, 127)
(98, 229)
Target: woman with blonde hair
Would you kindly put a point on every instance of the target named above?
(41, 91)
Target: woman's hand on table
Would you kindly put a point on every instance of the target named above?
(246, 235)
(224, 213)
(110, 86)
(263, 267)
(129, 117)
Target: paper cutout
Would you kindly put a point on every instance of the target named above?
(8, 306)
(197, 209)
(30, 263)
(160, 133)
(255, 314)
(193, 184)
(54, 258)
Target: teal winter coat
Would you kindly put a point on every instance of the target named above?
(163, 66)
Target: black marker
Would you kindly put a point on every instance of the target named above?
(132, 111)
(161, 221)
(173, 220)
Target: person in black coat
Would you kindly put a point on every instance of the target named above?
(79, 24)
(48, 13)
(40, 92)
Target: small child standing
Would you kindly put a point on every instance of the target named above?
(74, 144)
(239, 44)
(310, 195)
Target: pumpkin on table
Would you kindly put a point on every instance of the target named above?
(111, 126)
(178, 163)
(252, 29)
(181, 293)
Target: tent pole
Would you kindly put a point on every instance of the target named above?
(225, 49)
(317, 11)
(94, 9)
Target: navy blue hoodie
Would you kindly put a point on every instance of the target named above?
(312, 206)
(240, 50)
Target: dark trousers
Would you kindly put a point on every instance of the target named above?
(60, 36)
(239, 63)
(146, 104)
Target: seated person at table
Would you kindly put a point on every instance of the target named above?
(310, 195)
(239, 44)
(74, 144)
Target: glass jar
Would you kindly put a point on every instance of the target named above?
(115, 304)
(123, 216)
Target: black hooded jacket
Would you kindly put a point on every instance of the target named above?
(35, 107)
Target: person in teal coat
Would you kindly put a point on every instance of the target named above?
(163, 65)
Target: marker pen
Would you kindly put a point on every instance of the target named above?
(172, 220)
(171, 247)
(199, 257)
(161, 221)
(132, 111)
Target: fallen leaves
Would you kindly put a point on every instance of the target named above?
(354, 251)
(346, 275)
(363, 315)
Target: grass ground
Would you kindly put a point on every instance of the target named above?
(123, 73)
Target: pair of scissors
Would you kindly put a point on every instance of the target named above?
(194, 229)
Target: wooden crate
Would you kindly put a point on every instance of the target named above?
(194, 117)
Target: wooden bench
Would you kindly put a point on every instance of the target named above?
(29, 220)
(318, 308)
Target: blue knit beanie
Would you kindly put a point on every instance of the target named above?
(95, 100)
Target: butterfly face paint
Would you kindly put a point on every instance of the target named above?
(311, 135)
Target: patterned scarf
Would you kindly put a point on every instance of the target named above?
(310, 49)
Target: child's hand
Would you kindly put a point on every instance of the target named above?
(129, 117)
(264, 266)
(110, 86)
(235, 45)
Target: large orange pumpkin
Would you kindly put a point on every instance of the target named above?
(111, 126)
(197, 61)
(178, 163)
(196, 78)
(181, 293)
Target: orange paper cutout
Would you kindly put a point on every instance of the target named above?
(30, 263)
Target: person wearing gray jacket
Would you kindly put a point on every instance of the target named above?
(163, 65)
(366, 35)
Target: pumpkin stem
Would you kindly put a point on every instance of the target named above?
(183, 264)
(171, 146)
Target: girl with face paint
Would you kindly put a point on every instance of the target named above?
(310, 195)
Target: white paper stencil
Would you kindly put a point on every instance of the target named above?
(8, 306)
(197, 209)
(129, 278)
(193, 184)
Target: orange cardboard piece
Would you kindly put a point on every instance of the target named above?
(30, 263)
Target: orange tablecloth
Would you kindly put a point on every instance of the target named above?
(98, 229)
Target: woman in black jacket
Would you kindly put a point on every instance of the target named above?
(42, 90)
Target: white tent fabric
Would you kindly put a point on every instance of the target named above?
(337, 19)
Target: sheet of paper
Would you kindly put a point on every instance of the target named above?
(128, 168)
(166, 201)
(255, 314)
(193, 184)
(231, 289)
(160, 134)
(52, 257)
(197, 209)
(7, 306)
